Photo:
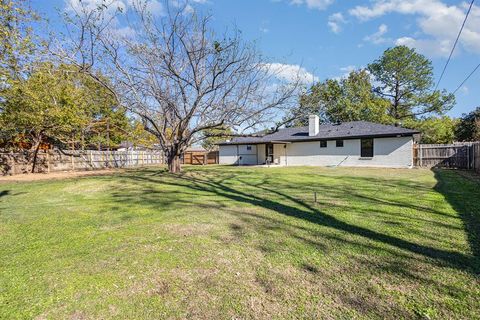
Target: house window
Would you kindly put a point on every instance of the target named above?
(339, 143)
(323, 144)
(249, 148)
(366, 150)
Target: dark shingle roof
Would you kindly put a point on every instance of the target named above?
(345, 130)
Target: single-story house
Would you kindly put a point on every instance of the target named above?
(356, 143)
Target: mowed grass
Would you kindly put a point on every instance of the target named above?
(242, 243)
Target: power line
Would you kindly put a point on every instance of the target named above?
(454, 45)
(466, 79)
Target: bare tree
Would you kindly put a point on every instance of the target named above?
(175, 73)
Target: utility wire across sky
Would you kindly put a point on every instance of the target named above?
(454, 45)
(466, 79)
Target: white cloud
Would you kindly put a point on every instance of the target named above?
(187, 5)
(264, 26)
(290, 72)
(335, 22)
(313, 4)
(439, 47)
(439, 23)
(348, 69)
(377, 37)
(112, 7)
(155, 7)
(78, 5)
(345, 71)
(124, 32)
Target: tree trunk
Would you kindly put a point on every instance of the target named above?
(174, 165)
(396, 103)
(36, 147)
(173, 154)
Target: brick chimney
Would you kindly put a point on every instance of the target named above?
(313, 125)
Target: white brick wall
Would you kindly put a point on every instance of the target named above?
(239, 154)
(261, 154)
(228, 154)
(394, 152)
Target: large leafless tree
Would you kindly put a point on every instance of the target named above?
(174, 72)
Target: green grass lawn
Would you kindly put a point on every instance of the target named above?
(242, 243)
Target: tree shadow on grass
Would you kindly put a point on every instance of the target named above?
(308, 212)
(4, 193)
(464, 196)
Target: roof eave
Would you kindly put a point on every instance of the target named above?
(382, 135)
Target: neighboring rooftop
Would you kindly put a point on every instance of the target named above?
(345, 130)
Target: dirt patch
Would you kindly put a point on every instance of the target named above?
(57, 175)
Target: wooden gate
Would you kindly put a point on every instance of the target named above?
(200, 157)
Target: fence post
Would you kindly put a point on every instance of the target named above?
(420, 154)
(414, 154)
(468, 157)
(48, 160)
(474, 157)
(13, 163)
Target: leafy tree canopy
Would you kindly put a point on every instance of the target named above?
(214, 136)
(16, 36)
(347, 99)
(58, 104)
(405, 78)
(434, 129)
(139, 137)
(468, 128)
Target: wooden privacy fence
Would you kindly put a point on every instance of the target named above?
(55, 160)
(458, 155)
(476, 156)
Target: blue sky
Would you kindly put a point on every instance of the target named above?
(330, 37)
